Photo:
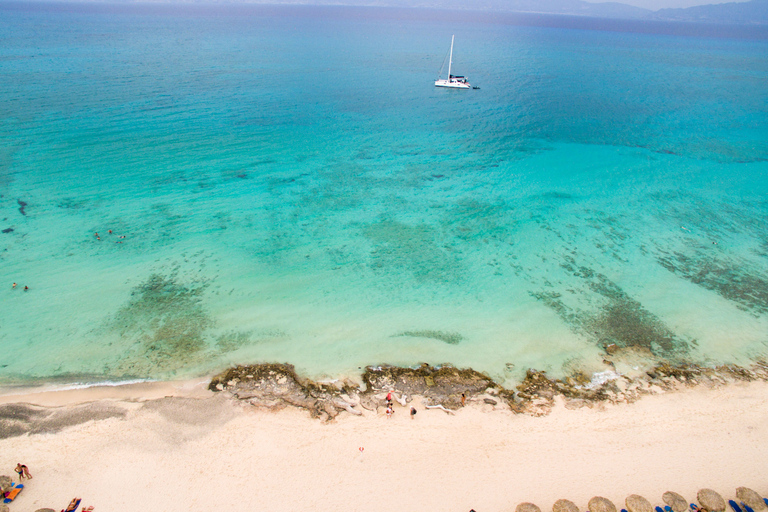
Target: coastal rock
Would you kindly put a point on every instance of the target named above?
(636, 503)
(751, 498)
(710, 500)
(676, 502)
(564, 506)
(277, 385)
(527, 507)
(438, 385)
(600, 504)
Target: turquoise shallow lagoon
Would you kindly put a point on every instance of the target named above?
(292, 188)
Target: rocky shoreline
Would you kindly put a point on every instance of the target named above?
(274, 386)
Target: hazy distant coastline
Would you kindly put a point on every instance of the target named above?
(753, 12)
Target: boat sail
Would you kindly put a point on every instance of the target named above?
(455, 82)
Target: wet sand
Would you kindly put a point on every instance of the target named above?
(197, 450)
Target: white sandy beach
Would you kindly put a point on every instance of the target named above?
(207, 453)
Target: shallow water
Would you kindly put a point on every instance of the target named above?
(292, 188)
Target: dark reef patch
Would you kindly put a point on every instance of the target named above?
(8, 230)
(741, 284)
(452, 338)
(619, 320)
(230, 341)
(626, 323)
(69, 203)
(167, 322)
(416, 249)
(22, 205)
(475, 221)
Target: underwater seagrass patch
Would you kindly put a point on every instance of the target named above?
(452, 338)
(167, 324)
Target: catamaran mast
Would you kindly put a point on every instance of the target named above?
(450, 59)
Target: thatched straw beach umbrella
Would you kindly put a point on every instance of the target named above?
(600, 504)
(45, 510)
(676, 502)
(710, 500)
(564, 506)
(636, 503)
(527, 507)
(5, 483)
(751, 498)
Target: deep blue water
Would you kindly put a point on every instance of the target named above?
(292, 187)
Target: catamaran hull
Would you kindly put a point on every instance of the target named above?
(452, 85)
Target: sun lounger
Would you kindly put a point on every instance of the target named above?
(73, 505)
(11, 495)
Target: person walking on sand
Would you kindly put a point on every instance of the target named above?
(23, 471)
(389, 411)
(413, 412)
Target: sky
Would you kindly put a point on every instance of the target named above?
(655, 5)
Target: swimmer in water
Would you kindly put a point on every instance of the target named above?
(14, 286)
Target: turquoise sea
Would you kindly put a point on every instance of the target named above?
(291, 187)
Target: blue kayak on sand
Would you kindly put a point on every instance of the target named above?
(734, 506)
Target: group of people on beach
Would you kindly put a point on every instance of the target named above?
(390, 410)
(23, 471)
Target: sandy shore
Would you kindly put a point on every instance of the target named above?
(200, 451)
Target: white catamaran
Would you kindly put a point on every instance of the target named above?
(455, 82)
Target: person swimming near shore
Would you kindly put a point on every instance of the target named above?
(13, 287)
(26, 288)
